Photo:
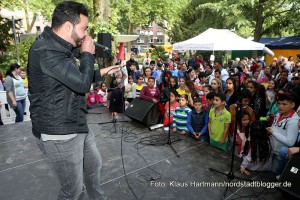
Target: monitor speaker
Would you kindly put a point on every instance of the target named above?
(290, 177)
(143, 111)
(104, 39)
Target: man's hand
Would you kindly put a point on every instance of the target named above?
(154, 100)
(88, 45)
(109, 70)
(183, 133)
(174, 129)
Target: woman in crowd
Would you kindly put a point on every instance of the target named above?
(15, 91)
(146, 74)
(231, 93)
(258, 100)
(216, 85)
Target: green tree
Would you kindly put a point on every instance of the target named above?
(255, 18)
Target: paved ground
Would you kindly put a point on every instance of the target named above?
(153, 171)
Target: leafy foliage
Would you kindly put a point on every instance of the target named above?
(255, 18)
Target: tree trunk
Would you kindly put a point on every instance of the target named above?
(258, 24)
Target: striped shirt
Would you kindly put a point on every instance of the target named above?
(180, 119)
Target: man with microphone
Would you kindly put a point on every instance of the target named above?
(57, 87)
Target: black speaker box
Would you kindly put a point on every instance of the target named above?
(143, 111)
(290, 178)
(104, 39)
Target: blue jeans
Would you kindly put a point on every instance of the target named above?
(73, 160)
(19, 110)
(278, 164)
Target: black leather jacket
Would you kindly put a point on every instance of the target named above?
(57, 86)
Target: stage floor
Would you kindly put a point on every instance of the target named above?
(153, 171)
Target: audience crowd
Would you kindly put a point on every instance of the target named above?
(207, 101)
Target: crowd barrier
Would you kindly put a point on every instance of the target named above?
(8, 115)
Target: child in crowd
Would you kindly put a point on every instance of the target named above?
(117, 101)
(216, 86)
(149, 92)
(174, 71)
(181, 115)
(219, 122)
(165, 94)
(190, 91)
(174, 104)
(273, 110)
(245, 98)
(139, 85)
(271, 92)
(259, 157)
(258, 100)
(210, 101)
(200, 85)
(130, 91)
(181, 89)
(197, 121)
(92, 99)
(284, 129)
(218, 76)
(182, 71)
(243, 133)
(206, 89)
(102, 94)
(134, 72)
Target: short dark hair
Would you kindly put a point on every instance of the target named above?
(245, 93)
(152, 62)
(197, 100)
(201, 75)
(68, 11)
(208, 87)
(151, 78)
(217, 71)
(174, 92)
(210, 95)
(221, 96)
(185, 96)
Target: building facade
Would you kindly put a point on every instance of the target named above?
(152, 35)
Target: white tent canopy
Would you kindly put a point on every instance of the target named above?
(218, 40)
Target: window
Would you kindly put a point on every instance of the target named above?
(150, 40)
(140, 40)
(140, 32)
(159, 40)
(38, 29)
(151, 24)
(160, 33)
(148, 32)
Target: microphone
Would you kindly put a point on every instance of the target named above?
(101, 46)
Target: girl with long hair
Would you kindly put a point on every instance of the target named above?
(259, 157)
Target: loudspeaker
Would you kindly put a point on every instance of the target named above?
(290, 177)
(104, 39)
(143, 111)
